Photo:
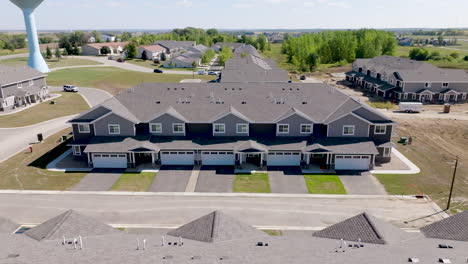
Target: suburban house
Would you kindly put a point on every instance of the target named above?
(108, 37)
(259, 124)
(174, 48)
(217, 237)
(94, 49)
(408, 80)
(187, 58)
(150, 52)
(219, 45)
(198, 49)
(21, 86)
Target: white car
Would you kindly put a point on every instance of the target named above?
(70, 88)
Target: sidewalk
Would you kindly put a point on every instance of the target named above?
(412, 168)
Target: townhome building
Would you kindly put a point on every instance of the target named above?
(21, 86)
(259, 124)
(408, 80)
(94, 49)
(174, 48)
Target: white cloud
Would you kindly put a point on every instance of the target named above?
(184, 3)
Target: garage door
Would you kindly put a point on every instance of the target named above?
(352, 162)
(177, 158)
(218, 158)
(283, 159)
(110, 161)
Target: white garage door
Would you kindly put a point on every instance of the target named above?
(349, 162)
(218, 158)
(177, 158)
(110, 161)
(283, 159)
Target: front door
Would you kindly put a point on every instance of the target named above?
(254, 159)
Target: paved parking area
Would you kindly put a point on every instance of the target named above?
(363, 183)
(98, 180)
(171, 179)
(215, 179)
(287, 180)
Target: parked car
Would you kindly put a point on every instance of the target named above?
(158, 71)
(212, 73)
(110, 58)
(303, 77)
(201, 72)
(120, 60)
(70, 88)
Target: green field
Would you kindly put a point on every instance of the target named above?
(324, 184)
(4, 52)
(454, 63)
(67, 104)
(53, 63)
(134, 182)
(252, 183)
(112, 79)
(150, 64)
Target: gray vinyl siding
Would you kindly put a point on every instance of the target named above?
(10, 90)
(436, 87)
(82, 136)
(381, 138)
(294, 122)
(127, 128)
(167, 121)
(90, 51)
(361, 128)
(230, 121)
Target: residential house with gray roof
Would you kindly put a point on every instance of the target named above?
(408, 80)
(263, 124)
(174, 48)
(219, 238)
(21, 86)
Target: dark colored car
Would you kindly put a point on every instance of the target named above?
(120, 60)
(303, 77)
(158, 71)
(212, 73)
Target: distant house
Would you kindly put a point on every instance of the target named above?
(174, 48)
(152, 51)
(94, 49)
(407, 42)
(20, 86)
(108, 37)
(185, 60)
(91, 39)
(218, 46)
(198, 48)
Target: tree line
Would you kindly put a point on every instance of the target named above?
(12, 42)
(422, 54)
(310, 50)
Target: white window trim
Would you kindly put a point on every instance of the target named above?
(222, 125)
(427, 85)
(241, 125)
(77, 153)
(156, 131)
(19, 85)
(309, 125)
(113, 133)
(380, 133)
(278, 126)
(178, 132)
(387, 154)
(31, 83)
(345, 126)
(84, 131)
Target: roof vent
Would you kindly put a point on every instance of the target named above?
(195, 257)
(244, 102)
(175, 89)
(444, 260)
(304, 102)
(158, 102)
(168, 88)
(183, 89)
(444, 246)
(413, 260)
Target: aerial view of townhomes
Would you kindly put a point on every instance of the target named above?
(202, 131)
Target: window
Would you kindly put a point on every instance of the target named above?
(156, 128)
(77, 150)
(283, 129)
(31, 83)
(427, 85)
(83, 128)
(348, 130)
(242, 128)
(178, 128)
(445, 85)
(114, 129)
(219, 128)
(19, 85)
(379, 130)
(306, 129)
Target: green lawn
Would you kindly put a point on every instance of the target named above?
(398, 184)
(4, 52)
(112, 79)
(26, 171)
(252, 183)
(150, 64)
(273, 232)
(454, 63)
(383, 105)
(134, 182)
(53, 63)
(324, 184)
(67, 104)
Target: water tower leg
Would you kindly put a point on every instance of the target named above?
(36, 60)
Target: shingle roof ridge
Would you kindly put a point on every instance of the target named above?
(62, 218)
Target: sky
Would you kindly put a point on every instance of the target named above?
(239, 14)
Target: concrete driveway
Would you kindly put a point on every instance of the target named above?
(363, 183)
(171, 179)
(98, 180)
(215, 179)
(14, 140)
(287, 180)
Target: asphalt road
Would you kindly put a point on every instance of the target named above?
(21, 55)
(14, 140)
(168, 210)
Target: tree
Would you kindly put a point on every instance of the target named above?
(207, 56)
(76, 49)
(163, 56)
(144, 56)
(440, 40)
(105, 50)
(58, 55)
(261, 42)
(131, 50)
(465, 58)
(225, 54)
(126, 36)
(48, 53)
(419, 54)
(64, 52)
(212, 32)
(194, 64)
(454, 55)
(97, 36)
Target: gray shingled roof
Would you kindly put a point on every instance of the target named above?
(365, 228)
(11, 75)
(172, 44)
(453, 228)
(7, 226)
(216, 227)
(70, 224)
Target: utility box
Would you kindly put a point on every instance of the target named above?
(446, 108)
(40, 137)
